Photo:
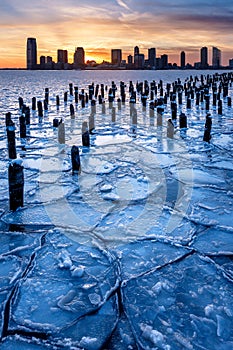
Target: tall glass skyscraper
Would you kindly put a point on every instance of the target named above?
(204, 57)
(31, 53)
(216, 57)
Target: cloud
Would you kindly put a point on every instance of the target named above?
(124, 24)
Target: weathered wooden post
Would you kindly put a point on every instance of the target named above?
(22, 126)
(93, 107)
(103, 107)
(159, 116)
(75, 160)
(72, 113)
(82, 96)
(220, 107)
(45, 105)
(174, 110)
(57, 101)
(40, 109)
(71, 89)
(170, 129)
(11, 140)
(33, 103)
(55, 122)
(197, 98)
(188, 103)
(113, 114)
(61, 133)
(207, 132)
(85, 135)
(16, 184)
(96, 90)
(152, 110)
(65, 97)
(20, 99)
(8, 120)
(47, 95)
(76, 94)
(91, 123)
(119, 104)
(183, 121)
(207, 102)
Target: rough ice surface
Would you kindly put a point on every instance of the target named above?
(135, 251)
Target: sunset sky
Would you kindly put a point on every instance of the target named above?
(101, 25)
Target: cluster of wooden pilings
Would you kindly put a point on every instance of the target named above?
(207, 91)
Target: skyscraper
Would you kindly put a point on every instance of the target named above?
(136, 50)
(130, 59)
(182, 59)
(139, 61)
(79, 58)
(31, 53)
(116, 56)
(164, 61)
(204, 57)
(152, 57)
(216, 57)
(62, 56)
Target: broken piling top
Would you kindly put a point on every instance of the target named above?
(85, 135)
(8, 120)
(16, 184)
(11, 140)
(170, 129)
(72, 113)
(183, 121)
(61, 133)
(208, 122)
(75, 159)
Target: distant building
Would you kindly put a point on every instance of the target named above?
(164, 61)
(204, 57)
(130, 59)
(136, 50)
(139, 61)
(79, 58)
(42, 60)
(152, 58)
(197, 65)
(231, 63)
(116, 57)
(216, 57)
(62, 56)
(31, 53)
(182, 59)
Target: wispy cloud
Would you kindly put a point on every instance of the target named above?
(98, 24)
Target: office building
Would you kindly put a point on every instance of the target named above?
(31, 53)
(130, 59)
(164, 61)
(152, 58)
(139, 61)
(182, 59)
(79, 58)
(204, 57)
(136, 50)
(42, 60)
(62, 56)
(216, 57)
(116, 56)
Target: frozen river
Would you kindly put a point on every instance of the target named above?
(135, 251)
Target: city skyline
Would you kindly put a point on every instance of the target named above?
(171, 27)
(137, 61)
